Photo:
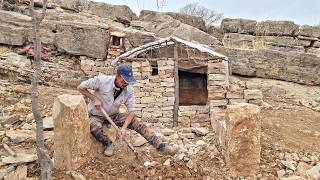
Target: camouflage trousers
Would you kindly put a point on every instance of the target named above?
(96, 129)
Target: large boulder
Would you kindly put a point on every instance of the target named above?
(276, 28)
(164, 25)
(82, 39)
(243, 131)
(243, 26)
(111, 11)
(72, 141)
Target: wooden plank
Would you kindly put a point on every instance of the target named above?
(214, 59)
(176, 88)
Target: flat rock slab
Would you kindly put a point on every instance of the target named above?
(20, 158)
(139, 141)
(200, 131)
(19, 136)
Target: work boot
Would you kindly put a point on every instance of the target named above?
(107, 150)
(166, 149)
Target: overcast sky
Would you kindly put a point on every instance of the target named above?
(299, 11)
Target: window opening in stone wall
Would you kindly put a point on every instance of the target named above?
(154, 67)
(116, 41)
(192, 88)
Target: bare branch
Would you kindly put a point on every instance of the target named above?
(44, 159)
(211, 17)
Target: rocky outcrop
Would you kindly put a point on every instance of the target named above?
(14, 28)
(72, 141)
(60, 72)
(288, 66)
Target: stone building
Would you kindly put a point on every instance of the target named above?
(178, 82)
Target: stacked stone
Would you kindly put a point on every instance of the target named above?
(218, 83)
(87, 65)
(92, 67)
(252, 96)
(193, 114)
(154, 94)
(114, 52)
(239, 93)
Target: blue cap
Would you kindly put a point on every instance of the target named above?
(125, 71)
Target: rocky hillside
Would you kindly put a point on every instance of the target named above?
(280, 58)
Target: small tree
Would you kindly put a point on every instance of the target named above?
(44, 160)
(210, 17)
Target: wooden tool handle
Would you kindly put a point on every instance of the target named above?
(117, 129)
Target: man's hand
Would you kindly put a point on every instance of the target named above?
(97, 103)
(122, 134)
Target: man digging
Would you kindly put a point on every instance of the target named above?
(109, 93)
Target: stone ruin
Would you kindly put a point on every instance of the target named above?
(183, 84)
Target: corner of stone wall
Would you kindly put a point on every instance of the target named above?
(237, 126)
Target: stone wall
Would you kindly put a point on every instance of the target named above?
(189, 115)
(155, 93)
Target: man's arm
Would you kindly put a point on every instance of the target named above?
(92, 83)
(96, 101)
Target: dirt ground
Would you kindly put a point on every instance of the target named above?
(290, 127)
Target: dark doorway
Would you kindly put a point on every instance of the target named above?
(192, 88)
